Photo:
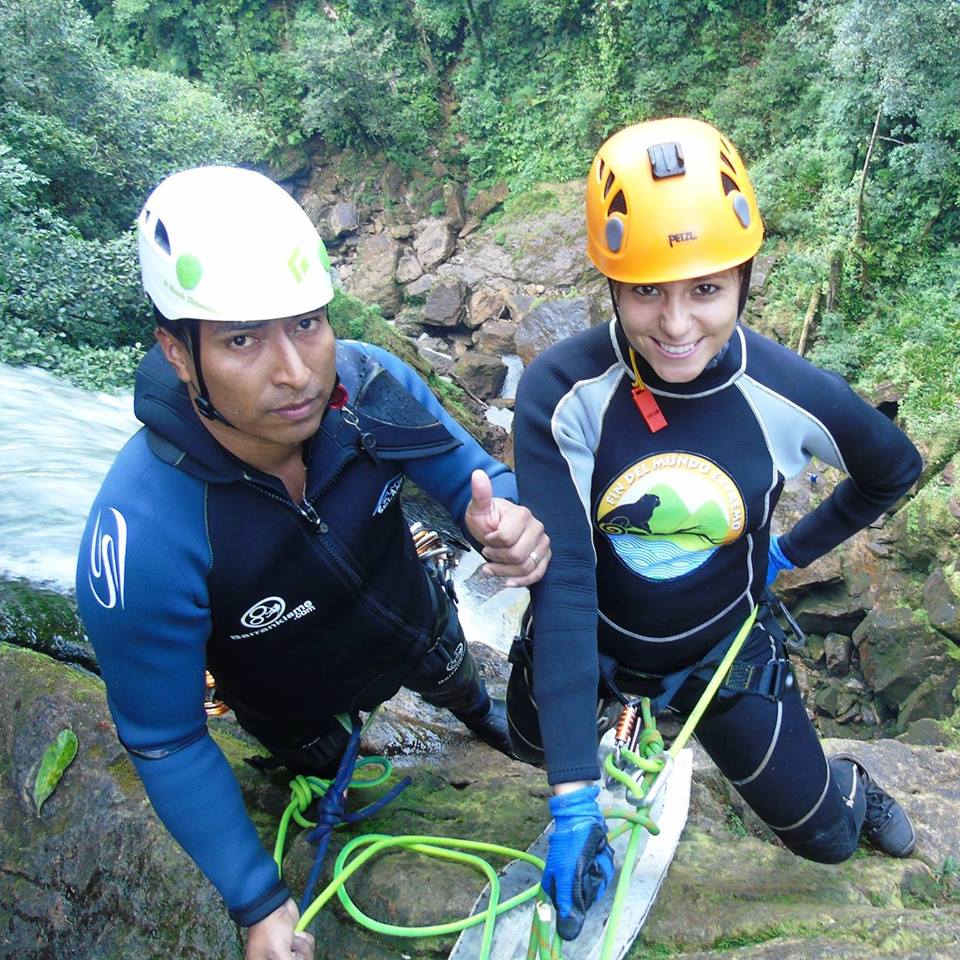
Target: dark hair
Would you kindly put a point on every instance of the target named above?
(176, 328)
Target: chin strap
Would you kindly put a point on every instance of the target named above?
(202, 400)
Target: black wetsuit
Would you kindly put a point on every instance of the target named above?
(660, 543)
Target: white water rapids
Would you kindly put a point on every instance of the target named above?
(57, 443)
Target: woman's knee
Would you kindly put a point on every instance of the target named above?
(830, 844)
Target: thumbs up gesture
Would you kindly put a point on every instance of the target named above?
(514, 542)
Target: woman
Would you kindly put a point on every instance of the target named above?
(654, 449)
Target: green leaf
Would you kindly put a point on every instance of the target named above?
(58, 756)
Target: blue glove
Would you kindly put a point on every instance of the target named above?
(579, 861)
(776, 561)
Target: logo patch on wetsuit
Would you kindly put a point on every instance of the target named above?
(666, 515)
(108, 559)
(390, 490)
(270, 613)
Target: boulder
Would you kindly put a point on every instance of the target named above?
(420, 287)
(374, 275)
(941, 600)
(95, 874)
(408, 268)
(45, 621)
(549, 323)
(837, 649)
(900, 653)
(487, 200)
(343, 219)
(445, 304)
(434, 351)
(498, 338)
(434, 243)
(485, 304)
(455, 210)
(481, 374)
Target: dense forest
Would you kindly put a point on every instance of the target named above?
(846, 111)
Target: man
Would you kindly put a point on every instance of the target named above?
(254, 526)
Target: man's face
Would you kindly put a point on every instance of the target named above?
(680, 326)
(271, 380)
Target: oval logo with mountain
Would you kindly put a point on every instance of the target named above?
(666, 515)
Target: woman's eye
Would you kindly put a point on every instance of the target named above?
(645, 290)
(705, 289)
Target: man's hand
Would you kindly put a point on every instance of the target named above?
(273, 937)
(515, 544)
(579, 859)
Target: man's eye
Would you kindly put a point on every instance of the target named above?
(240, 340)
(308, 323)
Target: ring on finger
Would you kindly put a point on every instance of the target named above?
(534, 557)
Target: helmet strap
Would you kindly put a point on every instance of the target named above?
(745, 270)
(204, 405)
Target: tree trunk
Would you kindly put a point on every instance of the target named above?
(808, 319)
(833, 288)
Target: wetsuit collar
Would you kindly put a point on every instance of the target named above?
(723, 370)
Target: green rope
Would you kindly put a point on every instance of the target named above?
(544, 944)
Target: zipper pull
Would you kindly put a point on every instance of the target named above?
(367, 440)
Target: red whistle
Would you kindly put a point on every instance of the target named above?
(649, 408)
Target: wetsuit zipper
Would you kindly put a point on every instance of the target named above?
(308, 513)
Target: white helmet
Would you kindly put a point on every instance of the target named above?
(222, 243)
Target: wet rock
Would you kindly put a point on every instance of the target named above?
(549, 323)
(374, 276)
(408, 268)
(343, 219)
(485, 304)
(941, 598)
(836, 651)
(487, 200)
(96, 875)
(481, 374)
(762, 265)
(445, 304)
(497, 338)
(45, 621)
(434, 244)
(900, 653)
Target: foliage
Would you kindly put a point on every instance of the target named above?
(56, 758)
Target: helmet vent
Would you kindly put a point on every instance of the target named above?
(600, 169)
(726, 160)
(160, 237)
(729, 185)
(608, 184)
(618, 204)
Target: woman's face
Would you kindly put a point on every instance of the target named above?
(680, 326)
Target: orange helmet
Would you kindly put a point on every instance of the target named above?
(669, 200)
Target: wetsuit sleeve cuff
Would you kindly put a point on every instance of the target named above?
(253, 912)
(783, 544)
